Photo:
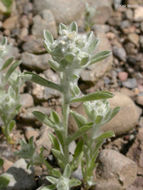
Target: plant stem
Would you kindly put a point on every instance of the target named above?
(65, 108)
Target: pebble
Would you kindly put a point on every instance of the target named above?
(64, 11)
(129, 14)
(123, 76)
(139, 100)
(120, 53)
(138, 14)
(26, 100)
(24, 21)
(44, 22)
(134, 38)
(10, 23)
(141, 41)
(31, 132)
(35, 62)
(115, 171)
(33, 45)
(142, 26)
(130, 83)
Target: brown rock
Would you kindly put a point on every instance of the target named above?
(47, 21)
(35, 62)
(127, 117)
(138, 14)
(26, 100)
(33, 45)
(115, 171)
(101, 7)
(64, 11)
(7, 164)
(136, 151)
(10, 23)
(134, 38)
(30, 132)
(140, 100)
(123, 76)
(127, 92)
(44, 140)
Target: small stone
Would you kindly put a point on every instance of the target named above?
(26, 100)
(120, 53)
(46, 22)
(100, 7)
(142, 26)
(134, 38)
(27, 115)
(131, 48)
(30, 132)
(130, 83)
(126, 119)
(64, 11)
(24, 21)
(127, 92)
(7, 164)
(33, 45)
(140, 100)
(123, 76)
(129, 14)
(116, 4)
(136, 151)
(44, 140)
(35, 62)
(10, 23)
(23, 34)
(20, 177)
(115, 171)
(138, 14)
(125, 24)
(141, 41)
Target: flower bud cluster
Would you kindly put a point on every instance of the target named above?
(70, 50)
(98, 108)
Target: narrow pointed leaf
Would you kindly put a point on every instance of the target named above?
(1, 162)
(62, 27)
(74, 182)
(105, 135)
(56, 173)
(100, 56)
(55, 142)
(80, 120)
(7, 63)
(78, 149)
(52, 180)
(55, 117)
(94, 96)
(92, 43)
(54, 65)
(11, 125)
(49, 187)
(73, 27)
(67, 171)
(80, 132)
(12, 68)
(48, 36)
(44, 119)
(39, 80)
